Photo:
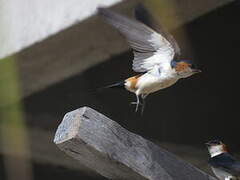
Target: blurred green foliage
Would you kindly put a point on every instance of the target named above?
(13, 132)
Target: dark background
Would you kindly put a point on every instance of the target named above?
(193, 111)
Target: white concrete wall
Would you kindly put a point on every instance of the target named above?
(24, 22)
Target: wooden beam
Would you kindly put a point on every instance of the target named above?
(91, 42)
(44, 152)
(114, 152)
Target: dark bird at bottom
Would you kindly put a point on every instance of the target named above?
(223, 164)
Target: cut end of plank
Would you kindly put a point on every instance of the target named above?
(70, 125)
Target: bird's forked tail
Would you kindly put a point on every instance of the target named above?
(118, 85)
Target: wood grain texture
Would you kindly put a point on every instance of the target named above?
(114, 152)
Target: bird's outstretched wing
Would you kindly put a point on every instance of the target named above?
(144, 16)
(150, 48)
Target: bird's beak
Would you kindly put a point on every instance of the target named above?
(196, 70)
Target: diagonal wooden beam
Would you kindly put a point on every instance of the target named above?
(114, 152)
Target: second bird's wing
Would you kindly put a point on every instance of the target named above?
(150, 48)
(226, 162)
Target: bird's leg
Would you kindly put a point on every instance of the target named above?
(137, 103)
(143, 96)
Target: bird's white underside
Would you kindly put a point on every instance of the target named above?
(222, 175)
(216, 150)
(154, 80)
(149, 83)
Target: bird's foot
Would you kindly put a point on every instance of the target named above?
(137, 105)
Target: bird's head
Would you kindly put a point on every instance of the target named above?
(184, 68)
(216, 147)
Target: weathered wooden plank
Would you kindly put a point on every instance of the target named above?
(114, 152)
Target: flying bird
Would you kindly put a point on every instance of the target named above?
(154, 57)
(223, 164)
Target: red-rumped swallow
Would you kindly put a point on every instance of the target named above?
(154, 57)
(223, 164)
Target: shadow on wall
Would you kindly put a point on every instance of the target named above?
(192, 111)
